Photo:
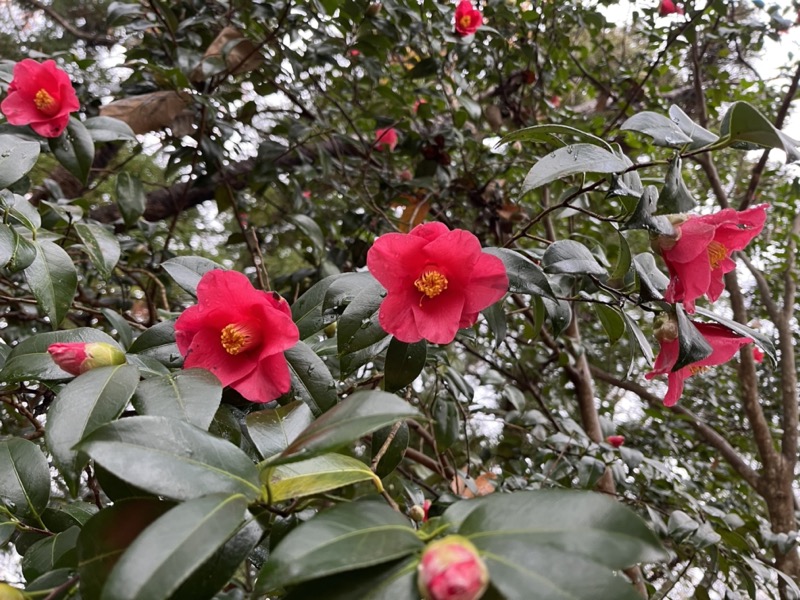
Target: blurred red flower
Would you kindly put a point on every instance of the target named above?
(668, 7)
(238, 333)
(437, 280)
(616, 440)
(700, 255)
(468, 19)
(40, 95)
(386, 138)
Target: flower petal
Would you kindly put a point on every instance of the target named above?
(489, 283)
(438, 318)
(270, 379)
(694, 240)
(396, 317)
(396, 260)
(206, 352)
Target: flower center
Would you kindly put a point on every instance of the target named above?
(237, 338)
(431, 283)
(465, 21)
(45, 103)
(716, 254)
(698, 370)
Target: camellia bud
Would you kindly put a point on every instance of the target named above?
(78, 357)
(450, 569)
(665, 328)
(616, 440)
(8, 592)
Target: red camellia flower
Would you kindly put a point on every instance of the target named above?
(40, 95)
(724, 343)
(78, 357)
(437, 281)
(700, 255)
(238, 333)
(616, 440)
(668, 7)
(451, 569)
(468, 19)
(386, 139)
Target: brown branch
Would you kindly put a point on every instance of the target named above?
(708, 433)
(63, 22)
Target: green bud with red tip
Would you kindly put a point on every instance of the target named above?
(79, 357)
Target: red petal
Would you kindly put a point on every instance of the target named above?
(724, 342)
(396, 260)
(438, 318)
(430, 231)
(695, 238)
(397, 318)
(52, 127)
(666, 359)
(269, 380)
(457, 252)
(675, 387)
(489, 283)
(19, 109)
(206, 352)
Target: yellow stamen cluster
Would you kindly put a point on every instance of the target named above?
(465, 21)
(716, 254)
(431, 283)
(698, 370)
(236, 339)
(45, 103)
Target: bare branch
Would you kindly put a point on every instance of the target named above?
(63, 22)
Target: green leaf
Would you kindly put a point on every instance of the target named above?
(743, 123)
(158, 343)
(652, 281)
(272, 430)
(108, 534)
(93, 399)
(24, 479)
(17, 158)
(404, 362)
(624, 259)
(675, 196)
(51, 553)
(343, 289)
(173, 547)
(524, 276)
(700, 136)
(109, 129)
(53, 280)
(550, 133)
(638, 339)
(570, 257)
(763, 341)
(572, 160)
(312, 381)
(118, 322)
(74, 149)
(664, 131)
(60, 515)
(343, 538)
(131, 198)
(312, 231)
(358, 326)
(446, 421)
(692, 346)
(396, 580)
(681, 526)
(16, 252)
(315, 476)
(7, 529)
(187, 271)
(355, 416)
(424, 68)
(101, 246)
(22, 210)
(395, 451)
(29, 359)
(560, 314)
(307, 309)
(612, 321)
(643, 217)
(172, 458)
(190, 395)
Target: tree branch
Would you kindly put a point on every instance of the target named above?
(63, 22)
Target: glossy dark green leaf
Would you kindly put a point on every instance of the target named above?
(173, 547)
(611, 320)
(16, 252)
(349, 363)
(343, 538)
(312, 231)
(572, 160)
(392, 581)
(395, 452)
(643, 216)
(692, 346)
(404, 362)
(446, 421)
(355, 416)
(524, 276)
(17, 158)
(652, 282)
(108, 534)
(560, 314)
(53, 280)
(131, 198)
(700, 136)
(118, 322)
(675, 197)
(358, 327)
(763, 341)
(272, 430)
(109, 129)
(424, 68)
(7, 529)
(549, 133)
(21, 210)
(307, 309)
(744, 123)
(101, 246)
(343, 289)
(315, 476)
(681, 526)
(172, 458)
(56, 551)
(570, 257)
(24, 479)
(191, 395)
(664, 131)
(93, 399)
(61, 515)
(158, 343)
(312, 381)
(29, 359)
(638, 339)
(187, 271)
(74, 149)
(624, 259)
(58, 584)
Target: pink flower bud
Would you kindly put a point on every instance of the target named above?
(78, 357)
(616, 440)
(451, 569)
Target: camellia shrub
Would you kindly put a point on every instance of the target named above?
(389, 378)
